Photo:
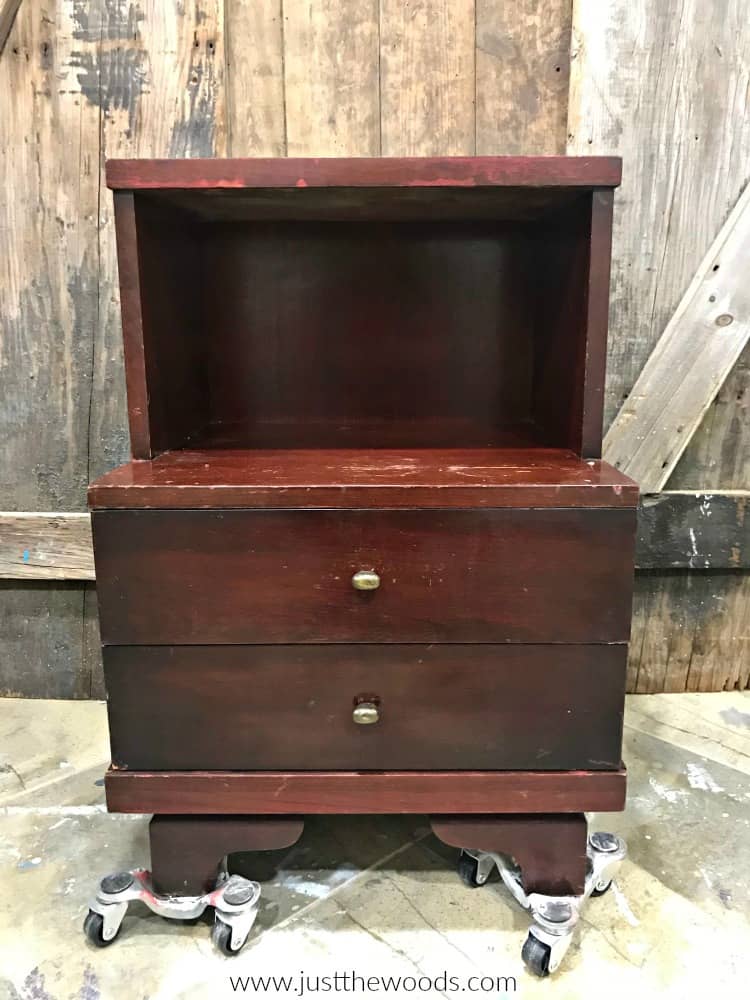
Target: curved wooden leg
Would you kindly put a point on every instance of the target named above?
(549, 848)
(186, 851)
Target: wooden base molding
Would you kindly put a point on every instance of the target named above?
(186, 851)
(550, 849)
(334, 792)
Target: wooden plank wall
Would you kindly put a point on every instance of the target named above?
(96, 78)
(665, 85)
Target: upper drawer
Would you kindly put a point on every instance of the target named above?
(258, 576)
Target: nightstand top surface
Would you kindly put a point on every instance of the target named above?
(351, 477)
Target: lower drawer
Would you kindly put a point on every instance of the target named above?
(449, 707)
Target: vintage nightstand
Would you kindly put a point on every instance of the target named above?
(366, 557)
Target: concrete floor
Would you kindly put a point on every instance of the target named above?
(380, 896)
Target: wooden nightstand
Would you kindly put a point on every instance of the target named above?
(366, 557)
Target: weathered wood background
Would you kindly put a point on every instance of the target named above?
(662, 82)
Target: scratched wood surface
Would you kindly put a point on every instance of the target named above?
(697, 531)
(96, 78)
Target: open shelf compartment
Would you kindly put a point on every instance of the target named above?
(461, 306)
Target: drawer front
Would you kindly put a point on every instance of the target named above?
(452, 707)
(253, 576)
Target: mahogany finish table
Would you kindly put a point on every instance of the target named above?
(366, 556)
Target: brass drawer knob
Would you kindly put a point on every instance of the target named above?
(366, 713)
(366, 579)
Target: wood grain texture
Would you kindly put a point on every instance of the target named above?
(720, 448)
(256, 112)
(677, 115)
(332, 792)
(47, 647)
(678, 118)
(37, 546)
(690, 530)
(690, 632)
(48, 262)
(8, 11)
(699, 347)
(88, 80)
(522, 74)
(427, 77)
(331, 77)
(350, 477)
(158, 78)
(447, 707)
(247, 576)
(48, 303)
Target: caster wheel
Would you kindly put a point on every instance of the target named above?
(93, 928)
(536, 956)
(221, 935)
(468, 868)
(600, 892)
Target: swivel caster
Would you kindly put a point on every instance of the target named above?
(536, 955)
(221, 935)
(235, 903)
(474, 869)
(554, 917)
(236, 908)
(93, 928)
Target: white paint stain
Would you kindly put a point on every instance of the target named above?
(624, 907)
(706, 879)
(694, 546)
(671, 795)
(698, 777)
(305, 887)
(59, 823)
